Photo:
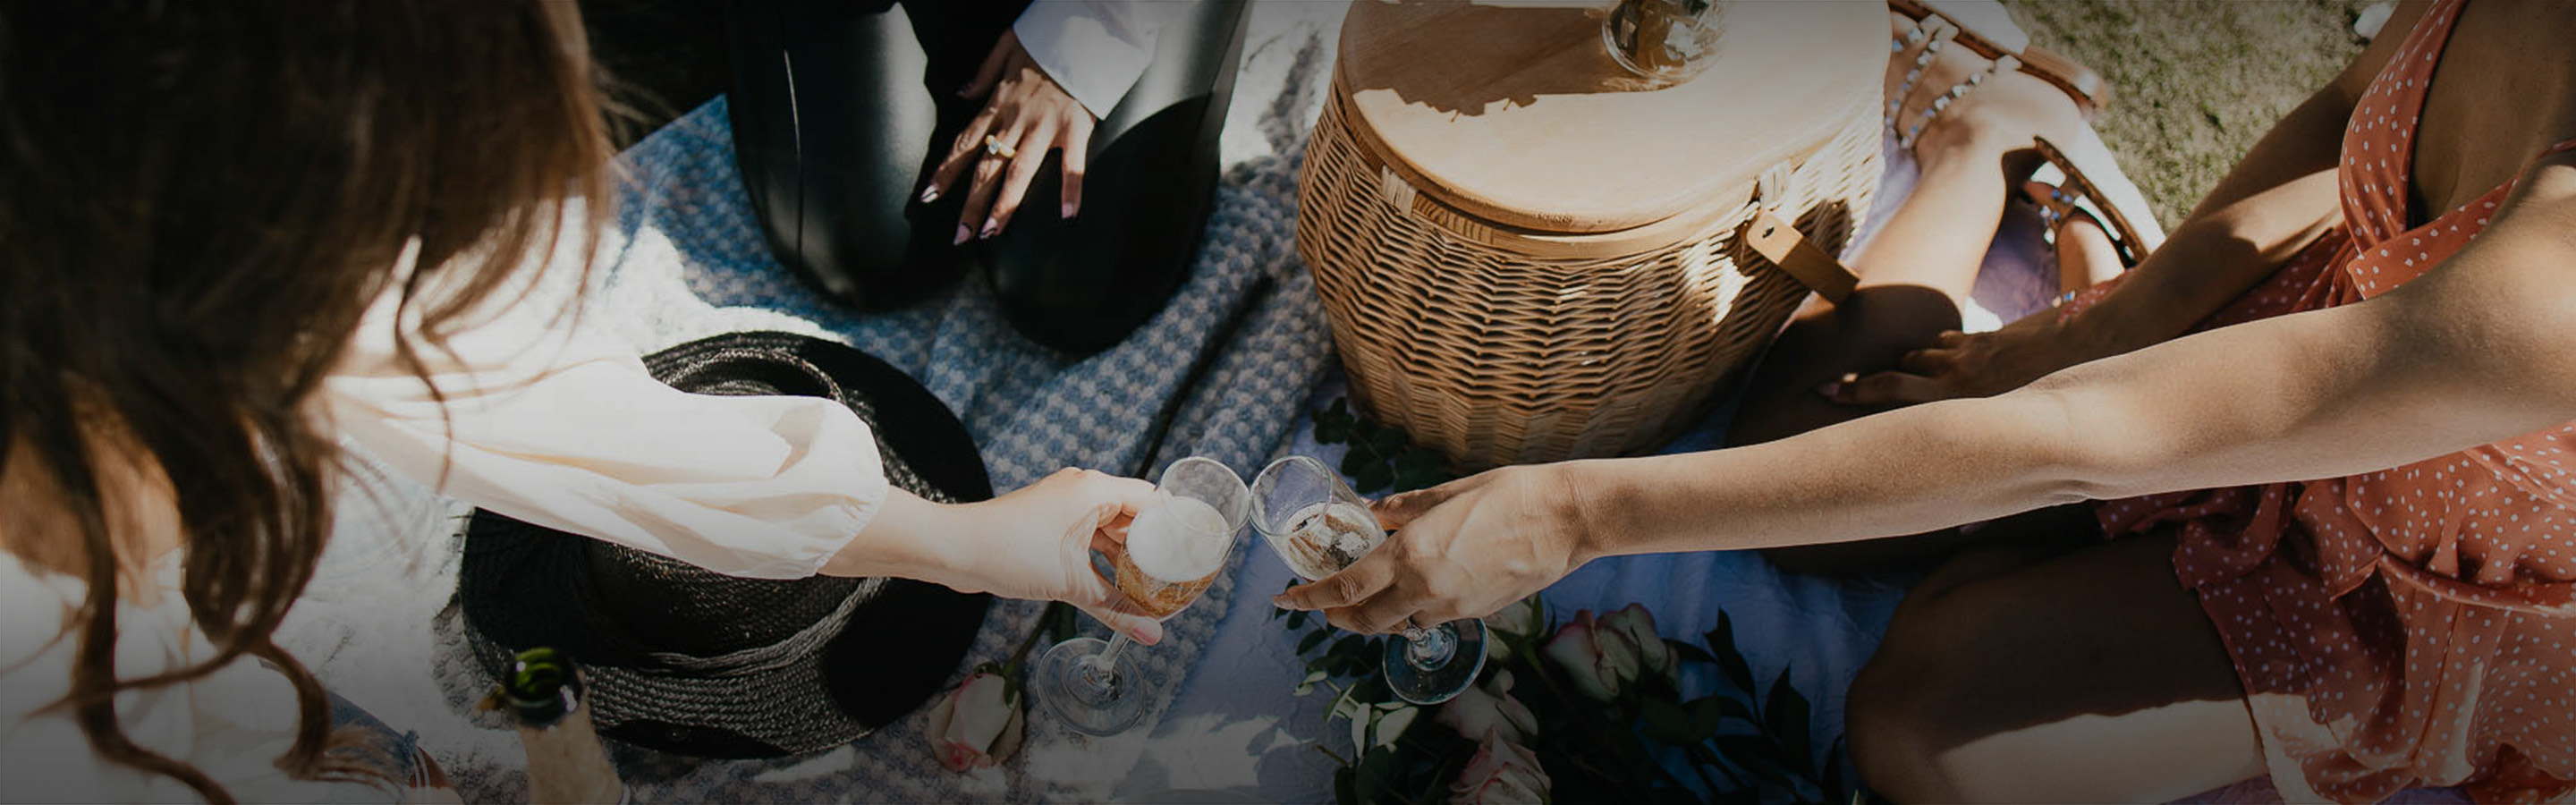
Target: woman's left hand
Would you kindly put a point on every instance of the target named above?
(1026, 115)
(1458, 550)
(1978, 365)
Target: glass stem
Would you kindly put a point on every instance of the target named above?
(1102, 669)
(1431, 648)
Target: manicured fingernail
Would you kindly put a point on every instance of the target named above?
(1070, 209)
(991, 227)
(1831, 389)
(962, 234)
(930, 194)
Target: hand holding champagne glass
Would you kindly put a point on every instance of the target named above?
(1319, 526)
(1174, 550)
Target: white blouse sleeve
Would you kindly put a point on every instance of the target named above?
(561, 426)
(1095, 49)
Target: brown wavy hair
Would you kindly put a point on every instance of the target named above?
(198, 202)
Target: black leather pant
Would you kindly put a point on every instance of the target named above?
(841, 111)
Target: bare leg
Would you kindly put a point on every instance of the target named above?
(2088, 676)
(2085, 256)
(1914, 276)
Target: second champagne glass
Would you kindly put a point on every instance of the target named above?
(1319, 526)
(1175, 548)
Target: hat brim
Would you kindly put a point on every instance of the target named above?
(889, 647)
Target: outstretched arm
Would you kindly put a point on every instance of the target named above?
(2471, 353)
(537, 417)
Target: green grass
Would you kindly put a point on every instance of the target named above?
(2195, 82)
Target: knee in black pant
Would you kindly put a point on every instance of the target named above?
(831, 130)
(869, 260)
(1082, 285)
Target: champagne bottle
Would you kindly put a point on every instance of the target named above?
(566, 761)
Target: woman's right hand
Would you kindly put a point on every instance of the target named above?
(1980, 365)
(1034, 543)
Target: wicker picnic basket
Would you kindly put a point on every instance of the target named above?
(1502, 335)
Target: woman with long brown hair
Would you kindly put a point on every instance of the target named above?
(233, 233)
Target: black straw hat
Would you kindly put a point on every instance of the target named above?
(685, 660)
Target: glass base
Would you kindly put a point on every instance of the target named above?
(1092, 699)
(1434, 665)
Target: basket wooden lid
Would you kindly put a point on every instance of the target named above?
(1515, 113)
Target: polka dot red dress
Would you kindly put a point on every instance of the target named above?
(2414, 626)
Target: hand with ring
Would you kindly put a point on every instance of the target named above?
(1026, 114)
(1462, 549)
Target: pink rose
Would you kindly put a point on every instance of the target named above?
(1502, 771)
(1638, 626)
(1601, 659)
(977, 725)
(1490, 709)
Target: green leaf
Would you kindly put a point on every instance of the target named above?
(1721, 641)
(1690, 652)
(1332, 426)
(1349, 656)
(1666, 722)
(1374, 771)
(1392, 723)
(1372, 478)
(1313, 639)
(1423, 460)
(1754, 754)
(1787, 713)
(1707, 713)
(1372, 688)
(1296, 618)
(1345, 790)
(1357, 459)
(1388, 442)
(1347, 705)
(1362, 718)
(1350, 645)
(1402, 481)
(1307, 685)
(1418, 469)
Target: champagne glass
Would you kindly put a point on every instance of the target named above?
(1669, 40)
(1319, 526)
(1175, 547)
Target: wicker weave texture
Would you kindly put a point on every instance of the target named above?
(1500, 347)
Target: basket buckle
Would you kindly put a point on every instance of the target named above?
(1779, 241)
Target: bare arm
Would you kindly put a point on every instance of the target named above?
(2471, 353)
(2278, 199)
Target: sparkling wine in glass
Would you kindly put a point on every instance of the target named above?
(1174, 550)
(1318, 526)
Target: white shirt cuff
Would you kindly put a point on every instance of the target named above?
(1095, 49)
